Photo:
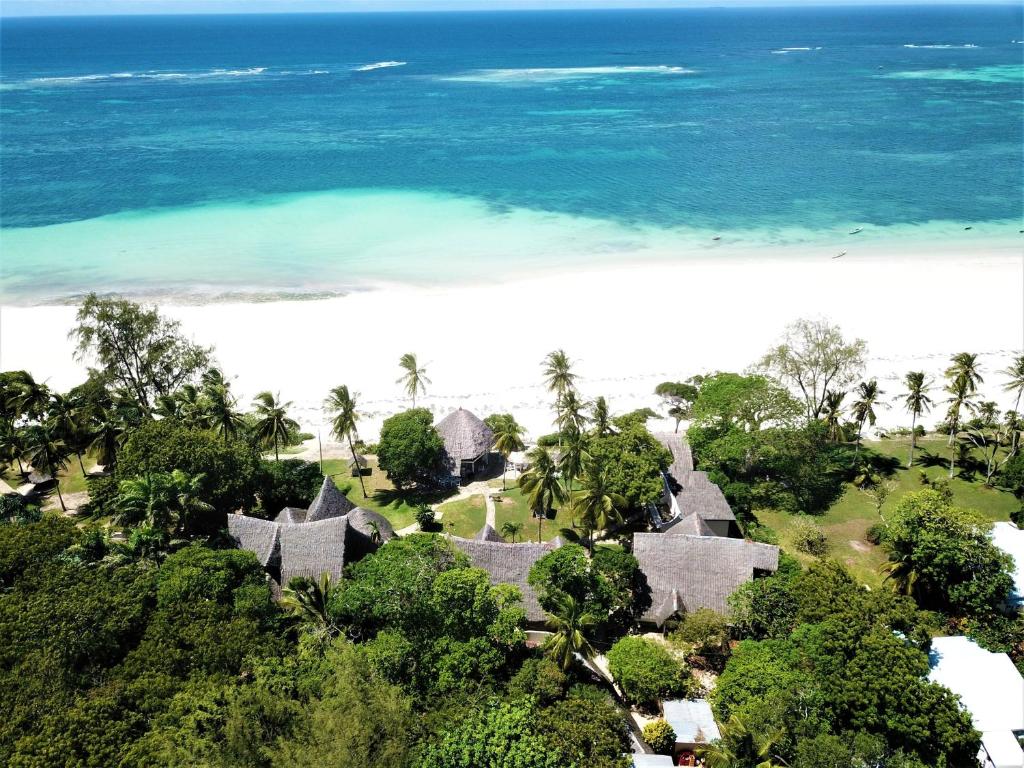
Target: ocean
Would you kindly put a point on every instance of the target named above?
(211, 157)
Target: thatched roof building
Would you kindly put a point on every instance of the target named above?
(325, 538)
(467, 443)
(509, 564)
(695, 505)
(487, 533)
(688, 572)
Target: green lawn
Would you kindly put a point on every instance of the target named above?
(399, 507)
(847, 521)
(512, 507)
(464, 517)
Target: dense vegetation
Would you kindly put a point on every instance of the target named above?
(135, 634)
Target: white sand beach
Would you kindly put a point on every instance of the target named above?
(626, 327)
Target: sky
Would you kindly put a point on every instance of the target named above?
(98, 7)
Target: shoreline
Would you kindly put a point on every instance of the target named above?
(628, 328)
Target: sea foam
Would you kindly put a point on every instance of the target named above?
(70, 80)
(796, 50)
(552, 74)
(380, 65)
(940, 46)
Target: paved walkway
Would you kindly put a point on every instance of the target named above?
(472, 489)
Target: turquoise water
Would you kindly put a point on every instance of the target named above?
(213, 156)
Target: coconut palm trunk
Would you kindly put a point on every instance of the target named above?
(358, 466)
(913, 439)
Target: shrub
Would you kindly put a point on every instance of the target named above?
(809, 538)
(875, 533)
(12, 508)
(1012, 476)
(660, 737)
(548, 441)
(706, 630)
(646, 671)
(425, 518)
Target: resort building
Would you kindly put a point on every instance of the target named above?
(691, 503)
(694, 726)
(991, 689)
(329, 535)
(508, 563)
(686, 572)
(467, 445)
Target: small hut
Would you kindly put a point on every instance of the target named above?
(358, 465)
(467, 444)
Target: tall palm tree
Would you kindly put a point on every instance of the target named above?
(570, 463)
(867, 394)
(106, 431)
(66, 420)
(415, 377)
(964, 376)
(192, 406)
(570, 624)
(221, 415)
(601, 417)
(511, 529)
(145, 499)
(33, 398)
(508, 438)
(571, 413)
(1015, 383)
(917, 403)
(559, 378)
(308, 600)
(341, 405)
(833, 415)
(45, 451)
(740, 747)
(542, 485)
(961, 399)
(185, 492)
(1013, 424)
(596, 506)
(10, 412)
(272, 423)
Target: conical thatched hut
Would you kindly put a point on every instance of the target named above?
(467, 444)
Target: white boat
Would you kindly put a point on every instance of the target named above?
(855, 231)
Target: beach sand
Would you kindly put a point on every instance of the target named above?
(627, 328)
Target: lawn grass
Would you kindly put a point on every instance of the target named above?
(846, 522)
(399, 507)
(464, 517)
(512, 507)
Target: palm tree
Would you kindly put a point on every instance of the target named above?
(167, 407)
(45, 451)
(542, 485)
(574, 454)
(1013, 424)
(10, 412)
(415, 378)
(559, 378)
(221, 415)
(903, 575)
(863, 408)
(145, 499)
(341, 404)
(185, 495)
(32, 398)
(602, 418)
(571, 413)
(1015, 383)
(961, 398)
(273, 425)
(917, 403)
(740, 747)
(508, 438)
(107, 429)
(308, 601)
(66, 421)
(511, 529)
(833, 415)
(596, 506)
(192, 407)
(570, 623)
(964, 376)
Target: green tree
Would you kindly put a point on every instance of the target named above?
(833, 415)
(308, 601)
(107, 431)
(1014, 383)
(917, 402)
(410, 449)
(66, 418)
(559, 379)
(33, 397)
(273, 426)
(511, 529)
(814, 357)
(601, 417)
(570, 624)
(508, 438)
(647, 672)
(741, 747)
(414, 379)
(136, 348)
(867, 394)
(595, 505)
(341, 405)
(542, 485)
(660, 737)
(221, 406)
(47, 453)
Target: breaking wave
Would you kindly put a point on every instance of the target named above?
(941, 47)
(796, 50)
(380, 65)
(551, 74)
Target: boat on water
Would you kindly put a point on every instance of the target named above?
(839, 255)
(855, 231)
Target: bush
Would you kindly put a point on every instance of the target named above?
(809, 538)
(13, 508)
(660, 737)
(425, 518)
(875, 533)
(287, 483)
(647, 672)
(705, 630)
(549, 441)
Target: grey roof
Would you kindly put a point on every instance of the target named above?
(291, 515)
(465, 436)
(363, 522)
(692, 524)
(682, 457)
(708, 501)
(487, 533)
(693, 490)
(256, 535)
(330, 502)
(702, 570)
(692, 721)
(509, 564)
(309, 549)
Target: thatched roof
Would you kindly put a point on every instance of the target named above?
(487, 533)
(309, 549)
(509, 564)
(364, 527)
(692, 524)
(330, 502)
(256, 535)
(693, 490)
(291, 515)
(465, 436)
(699, 571)
(682, 457)
(359, 460)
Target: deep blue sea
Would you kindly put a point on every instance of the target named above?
(306, 153)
